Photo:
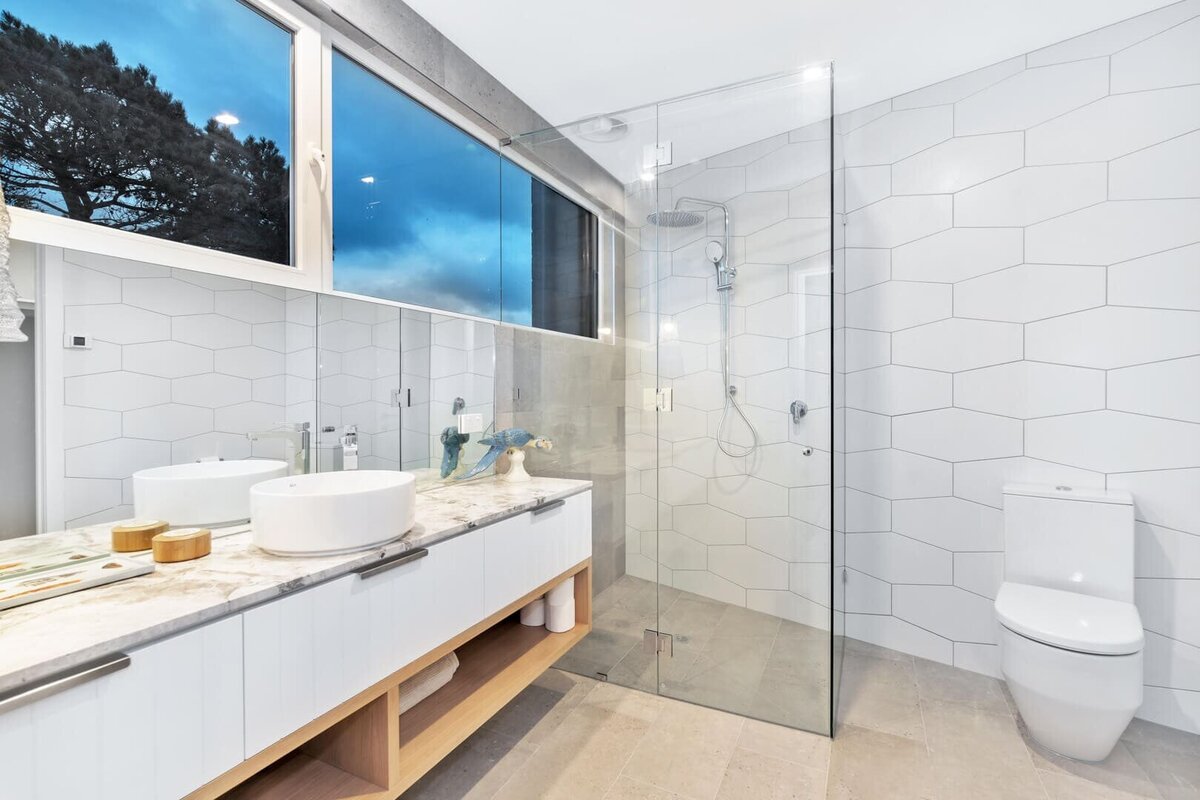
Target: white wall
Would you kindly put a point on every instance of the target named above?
(1023, 304)
(751, 531)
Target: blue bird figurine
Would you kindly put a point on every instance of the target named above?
(452, 445)
(510, 440)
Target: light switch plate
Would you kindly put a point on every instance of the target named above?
(470, 423)
(77, 341)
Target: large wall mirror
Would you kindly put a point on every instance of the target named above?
(131, 366)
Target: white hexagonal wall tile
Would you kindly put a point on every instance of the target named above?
(898, 220)
(866, 185)
(676, 551)
(788, 241)
(247, 418)
(947, 611)
(782, 316)
(167, 422)
(1159, 601)
(983, 481)
(866, 349)
(812, 581)
(1170, 169)
(753, 211)
(1165, 497)
(787, 166)
(980, 573)
(896, 475)
(1111, 232)
(1031, 194)
(866, 594)
(1167, 59)
(747, 567)
(754, 355)
(83, 286)
(1165, 389)
(748, 497)
(867, 431)
(249, 362)
(116, 458)
(1026, 389)
(950, 523)
(895, 305)
(709, 525)
(866, 513)
(788, 539)
(1030, 292)
(100, 357)
(897, 390)
(113, 265)
(342, 336)
(955, 434)
(701, 390)
(117, 391)
(167, 359)
(717, 184)
(270, 390)
(706, 584)
(957, 344)
(958, 254)
(896, 135)
(701, 456)
(212, 390)
(895, 633)
(85, 496)
(1165, 553)
(1111, 441)
(250, 306)
(121, 324)
(1114, 337)
(1112, 38)
(210, 330)
(866, 267)
(82, 426)
(741, 156)
(167, 296)
(679, 488)
(954, 89)
(1114, 126)
(956, 164)
(1163, 280)
(1031, 96)
(898, 559)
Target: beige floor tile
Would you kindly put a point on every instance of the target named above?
(580, 761)
(755, 776)
(537, 711)
(809, 749)
(738, 621)
(978, 754)
(686, 751)
(880, 694)
(871, 765)
(1062, 786)
(1171, 758)
(474, 771)
(1119, 771)
(800, 703)
(620, 700)
(945, 683)
(629, 789)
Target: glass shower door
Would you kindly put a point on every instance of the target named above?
(742, 234)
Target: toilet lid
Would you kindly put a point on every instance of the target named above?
(1070, 620)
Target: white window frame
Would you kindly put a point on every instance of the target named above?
(307, 230)
(313, 43)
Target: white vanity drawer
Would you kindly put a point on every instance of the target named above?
(157, 729)
(308, 652)
(523, 552)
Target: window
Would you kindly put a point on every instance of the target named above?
(550, 265)
(416, 202)
(166, 119)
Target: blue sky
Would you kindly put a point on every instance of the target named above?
(427, 229)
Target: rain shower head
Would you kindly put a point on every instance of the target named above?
(674, 218)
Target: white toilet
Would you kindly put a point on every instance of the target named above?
(1070, 637)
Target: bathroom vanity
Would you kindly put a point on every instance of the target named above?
(245, 675)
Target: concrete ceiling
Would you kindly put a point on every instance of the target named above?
(571, 59)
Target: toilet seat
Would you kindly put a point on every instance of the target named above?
(1069, 620)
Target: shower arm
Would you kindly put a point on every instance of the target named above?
(726, 273)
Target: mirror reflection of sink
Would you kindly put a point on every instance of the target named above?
(332, 512)
(204, 493)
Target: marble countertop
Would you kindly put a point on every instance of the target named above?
(43, 638)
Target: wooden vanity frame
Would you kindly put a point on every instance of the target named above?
(364, 749)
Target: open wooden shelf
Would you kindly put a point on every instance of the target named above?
(494, 667)
(301, 777)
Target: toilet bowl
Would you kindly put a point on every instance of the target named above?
(1070, 636)
(1073, 664)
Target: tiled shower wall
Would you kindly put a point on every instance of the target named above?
(755, 531)
(1023, 304)
(181, 366)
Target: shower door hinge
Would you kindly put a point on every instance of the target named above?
(656, 155)
(656, 643)
(659, 400)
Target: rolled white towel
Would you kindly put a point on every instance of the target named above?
(427, 681)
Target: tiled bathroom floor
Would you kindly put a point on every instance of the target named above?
(910, 729)
(725, 656)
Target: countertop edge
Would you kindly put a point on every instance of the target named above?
(19, 679)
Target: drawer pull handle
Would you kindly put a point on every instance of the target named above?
(60, 682)
(391, 563)
(542, 509)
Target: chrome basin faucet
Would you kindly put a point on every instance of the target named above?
(298, 436)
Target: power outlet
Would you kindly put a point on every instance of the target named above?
(470, 423)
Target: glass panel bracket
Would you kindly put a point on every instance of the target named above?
(656, 643)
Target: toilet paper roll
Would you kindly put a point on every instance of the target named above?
(534, 614)
(562, 593)
(560, 618)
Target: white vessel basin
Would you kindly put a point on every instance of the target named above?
(332, 512)
(202, 494)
